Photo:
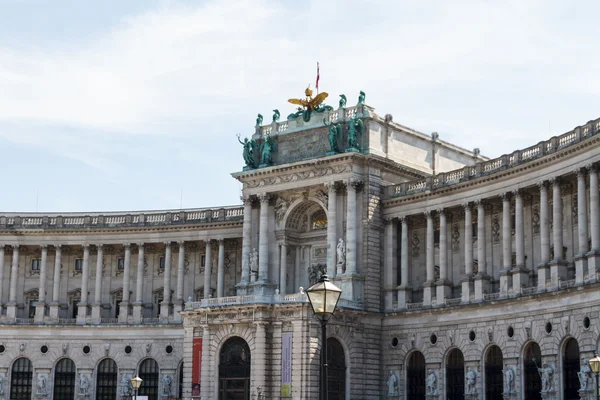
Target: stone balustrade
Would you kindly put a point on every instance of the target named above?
(483, 168)
(119, 220)
(263, 299)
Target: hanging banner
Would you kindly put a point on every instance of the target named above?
(196, 367)
(286, 364)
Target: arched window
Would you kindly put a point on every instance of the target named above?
(493, 374)
(20, 379)
(318, 220)
(64, 380)
(180, 387)
(106, 380)
(415, 377)
(571, 365)
(531, 362)
(149, 375)
(455, 375)
(336, 370)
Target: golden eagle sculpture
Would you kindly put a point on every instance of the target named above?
(309, 104)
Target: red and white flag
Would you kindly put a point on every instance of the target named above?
(317, 85)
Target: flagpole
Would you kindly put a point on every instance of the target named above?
(317, 83)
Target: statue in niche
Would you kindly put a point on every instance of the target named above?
(267, 148)
(254, 263)
(392, 384)
(42, 385)
(471, 381)
(281, 207)
(249, 150)
(84, 385)
(585, 375)
(276, 115)
(341, 252)
(1, 384)
(355, 129)
(547, 374)
(361, 97)
(343, 101)
(431, 382)
(335, 132)
(126, 388)
(167, 382)
(259, 120)
(509, 379)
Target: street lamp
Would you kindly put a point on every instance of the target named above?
(135, 384)
(595, 366)
(323, 297)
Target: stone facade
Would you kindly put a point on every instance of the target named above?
(462, 277)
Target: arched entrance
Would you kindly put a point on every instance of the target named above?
(493, 374)
(234, 370)
(106, 380)
(455, 375)
(415, 376)
(570, 369)
(149, 374)
(336, 370)
(531, 377)
(64, 380)
(20, 379)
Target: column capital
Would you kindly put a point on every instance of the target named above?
(44, 247)
(517, 193)
(542, 184)
(264, 198)
(15, 246)
(86, 246)
(466, 206)
(555, 181)
(140, 246)
(404, 219)
(127, 246)
(247, 200)
(331, 186)
(181, 243)
(440, 212)
(480, 203)
(57, 247)
(387, 220)
(99, 246)
(220, 241)
(580, 172)
(207, 241)
(506, 196)
(428, 214)
(592, 168)
(167, 244)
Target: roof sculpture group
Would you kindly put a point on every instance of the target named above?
(265, 149)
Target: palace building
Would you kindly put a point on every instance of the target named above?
(463, 277)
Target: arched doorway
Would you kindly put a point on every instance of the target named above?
(415, 376)
(106, 380)
(234, 370)
(336, 370)
(64, 380)
(20, 379)
(149, 373)
(570, 369)
(532, 357)
(455, 375)
(493, 374)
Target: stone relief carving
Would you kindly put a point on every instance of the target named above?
(84, 385)
(431, 382)
(574, 209)
(317, 172)
(455, 238)
(315, 271)
(42, 385)
(392, 384)
(470, 381)
(322, 196)
(495, 228)
(415, 245)
(281, 207)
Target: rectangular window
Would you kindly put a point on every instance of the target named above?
(35, 264)
(436, 236)
(78, 264)
(121, 264)
(162, 263)
(475, 230)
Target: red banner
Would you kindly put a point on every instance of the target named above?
(196, 367)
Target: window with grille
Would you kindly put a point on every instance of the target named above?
(64, 380)
(79, 264)
(20, 380)
(121, 264)
(35, 264)
(106, 380)
(149, 375)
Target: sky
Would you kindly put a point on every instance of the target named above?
(135, 105)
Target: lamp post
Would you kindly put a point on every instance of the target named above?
(135, 384)
(595, 366)
(323, 297)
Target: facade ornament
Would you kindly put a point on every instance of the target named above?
(106, 348)
(392, 384)
(253, 264)
(148, 347)
(490, 334)
(84, 385)
(42, 385)
(334, 135)
(267, 148)
(361, 97)
(547, 375)
(416, 252)
(281, 207)
(413, 341)
(585, 376)
(1, 385)
(22, 347)
(322, 196)
(471, 381)
(276, 115)
(355, 129)
(431, 382)
(455, 238)
(259, 120)
(167, 382)
(343, 101)
(509, 380)
(126, 388)
(341, 254)
(250, 150)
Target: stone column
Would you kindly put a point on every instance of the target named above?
(405, 290)
(389, 263)
(41, 305)
(331, 229)
(506, 246)
(444, 286)
(1, 276)
(246, 244)
(97, 306)
(481, 279)
(283, 269)
(178, 304)
(206, 388)
(165, 305)
(124, 306)
(593, 257)
(544, 238)
(56, 284)
(221, 269)
(429, 284)
(466, 281)
(520, 273)
(85, 278)
(582, 228)
(558, 266)
(259, 369)
(207, 269)
(263, 247)
(351, 228)
(139, 286)
(11, 306)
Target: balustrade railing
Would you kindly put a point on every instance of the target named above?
(491, 166)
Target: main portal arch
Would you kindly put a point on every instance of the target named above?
(234, 370)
